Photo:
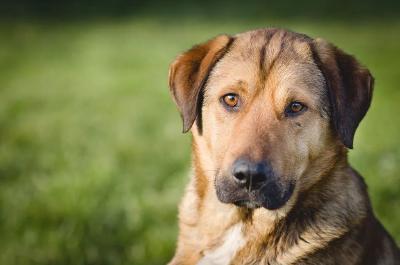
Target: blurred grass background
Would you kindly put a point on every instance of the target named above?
(92, 161)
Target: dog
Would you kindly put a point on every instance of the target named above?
(273, 114)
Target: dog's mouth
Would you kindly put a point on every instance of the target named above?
(247, 204)
(272, 195)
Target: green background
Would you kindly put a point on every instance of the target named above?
(92, 159)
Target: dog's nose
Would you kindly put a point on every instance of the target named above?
(250, 174)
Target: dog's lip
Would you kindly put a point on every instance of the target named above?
(282, 201)
(255, 198)
(253, 201)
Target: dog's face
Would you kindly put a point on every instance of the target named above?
(264, 120)
(272, 110)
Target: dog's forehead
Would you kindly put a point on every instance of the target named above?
(272, 44)
(256, 55)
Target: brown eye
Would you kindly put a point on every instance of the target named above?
(231, 100)
(294, 108)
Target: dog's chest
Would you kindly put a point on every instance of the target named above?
(222, 255)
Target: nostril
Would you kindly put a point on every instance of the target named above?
(240, 177)
(241, 172)
(260, 172)
(258, 178)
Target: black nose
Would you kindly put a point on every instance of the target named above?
(251, 174)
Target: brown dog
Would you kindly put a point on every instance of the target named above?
(274, 113)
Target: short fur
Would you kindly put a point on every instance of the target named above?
(328, 219)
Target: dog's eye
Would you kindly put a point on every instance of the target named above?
(231, 100)
(294, 107)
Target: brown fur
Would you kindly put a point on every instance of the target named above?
(328, 218)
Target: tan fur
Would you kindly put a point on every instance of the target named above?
(268, 68)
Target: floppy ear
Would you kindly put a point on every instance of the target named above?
(188, 75)
(349, 87)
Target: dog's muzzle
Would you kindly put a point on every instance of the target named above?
(253, 185)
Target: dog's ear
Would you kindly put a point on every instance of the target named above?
(349, 85)
(188, 75)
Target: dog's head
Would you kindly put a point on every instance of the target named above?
(272, 111)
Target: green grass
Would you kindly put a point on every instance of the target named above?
(92, 161)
